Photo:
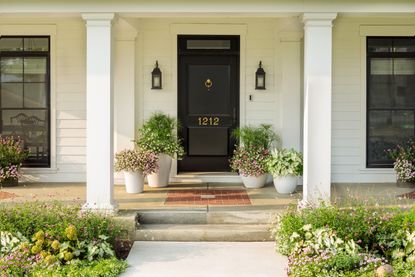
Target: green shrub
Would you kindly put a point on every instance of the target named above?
(101, 268)
(159, 135)
(42, 239)
(329, 241)
(30, 217)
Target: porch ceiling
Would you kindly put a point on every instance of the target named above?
(183, 7)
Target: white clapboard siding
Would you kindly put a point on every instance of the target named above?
(348, 118)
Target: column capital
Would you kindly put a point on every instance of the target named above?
(98, 18)
(318, 19)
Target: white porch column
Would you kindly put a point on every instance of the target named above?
(100, 127)
(317, 105)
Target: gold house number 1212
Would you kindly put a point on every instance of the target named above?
(208, 121)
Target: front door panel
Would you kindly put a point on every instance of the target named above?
(208, 110)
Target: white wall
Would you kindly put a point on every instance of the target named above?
(349, 95)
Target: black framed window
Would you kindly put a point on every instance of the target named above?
(25, 94)
(390, 96)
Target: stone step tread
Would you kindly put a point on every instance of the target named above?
(211, 217)
(203, 232)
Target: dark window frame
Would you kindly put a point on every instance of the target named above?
(25, 54)
(369, 56)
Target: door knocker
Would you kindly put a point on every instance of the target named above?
(208, 84)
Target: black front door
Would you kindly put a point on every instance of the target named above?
(208, 103)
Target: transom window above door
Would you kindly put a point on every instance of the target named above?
(25, 94)
(390, 96)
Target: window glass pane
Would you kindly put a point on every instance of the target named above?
(11, 69)
(11, 44)
(392, 83)
(32, 127)
(208, 44)
(379, 45)
(385, 130)
(404, 45)
(12, 95)
(35, 69)
(36, 44)
(35, 95)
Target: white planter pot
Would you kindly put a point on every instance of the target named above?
(160, 178)
(253, 182)
(285, 184)
(134, 181)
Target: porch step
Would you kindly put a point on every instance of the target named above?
(203, 232)
(205, 217)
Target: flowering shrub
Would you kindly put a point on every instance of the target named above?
(250, 162)
(251, 154)
(12, 155)
(283, 162)
(136, 160)
(158, 135)
(61, 239)
(404, 164)
(329, 241)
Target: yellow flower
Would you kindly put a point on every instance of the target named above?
(70, 232)
(55, 245)
(50, 259)
(40, 235)
(40, 243)
(35, 249)
(24, 245)
(67, 256)
(44, 254)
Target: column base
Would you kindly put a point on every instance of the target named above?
(104, 208)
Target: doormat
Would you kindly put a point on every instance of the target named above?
(6, 195)
(207, 197)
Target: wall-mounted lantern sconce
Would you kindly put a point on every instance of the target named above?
(260, 77)
(156, 77)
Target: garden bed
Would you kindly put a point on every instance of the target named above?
(51, 239)
(358, 241)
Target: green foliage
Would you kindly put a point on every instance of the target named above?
(63, 241)
(10, 242)
(28, 218)
(256, 137)
(284, 162)
(329, 241)
(100, 268)
(159, 135)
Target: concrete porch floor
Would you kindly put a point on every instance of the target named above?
(154, 198)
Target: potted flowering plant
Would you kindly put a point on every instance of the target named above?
(404, 162)
(285, 166)
(135, 164)
(12, 155)
(159, 135)
(250, 156)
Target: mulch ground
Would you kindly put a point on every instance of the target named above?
(7, 195)
(122, 248)
(409, 195)
(207, 197)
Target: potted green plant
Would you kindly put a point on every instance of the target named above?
(250, 156)
(12, 155)
(159, 135)
(404, 163)
(135, 164)
(285, 165)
